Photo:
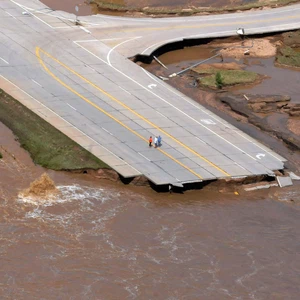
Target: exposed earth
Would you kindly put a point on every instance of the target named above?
(165, 8)
(276, 114)
(81, 236)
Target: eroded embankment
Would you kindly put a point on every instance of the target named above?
(18, 171)
(167, 8)
(275, 114)
(47, 146)
(61, 154)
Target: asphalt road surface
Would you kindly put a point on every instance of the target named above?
(79, 79)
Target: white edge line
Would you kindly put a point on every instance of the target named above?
(195, 19)
(4, 60)
(201, 140)
(162, 114)
(216, 118)
(107, 131)
(10, 14)
(32, 14)
(112, 49)
(72, 106)
(36, 82)
(84, 29)
(150, 91)
(144, 156)
(189, 19)
(70, 124)
(241, 166)
(124, 90)
(85, 41)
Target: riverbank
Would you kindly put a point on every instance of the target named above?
(181, 8)
(47, 146)
(18, 172)
(275, 114)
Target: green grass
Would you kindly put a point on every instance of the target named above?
(47, 146)
(291, 38)
(288, 56)
(229, 77)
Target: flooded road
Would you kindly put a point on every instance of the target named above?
(101, 243)
(102, 240)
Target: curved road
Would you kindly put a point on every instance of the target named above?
(79, 79)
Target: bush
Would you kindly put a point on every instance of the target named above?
(1, 155)
(219, 80)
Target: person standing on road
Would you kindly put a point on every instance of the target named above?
(159, 141)
(155, 142)
(150, 141)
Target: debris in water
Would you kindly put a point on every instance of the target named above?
(294, 176)
(41, 187)
(258, 186)
(284, 181)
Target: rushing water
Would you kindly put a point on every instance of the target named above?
(101, 240)
(96, 242)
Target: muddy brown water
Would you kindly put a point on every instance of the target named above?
(280, 80)
(104, 240)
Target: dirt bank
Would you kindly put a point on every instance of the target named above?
(273, 119)
(169, 8)
(47, 146)
(272, 113)
(18, 173)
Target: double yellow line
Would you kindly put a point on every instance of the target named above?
(38, 54)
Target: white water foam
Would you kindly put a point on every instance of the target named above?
(68, 193)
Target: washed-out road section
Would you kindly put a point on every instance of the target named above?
(80, 80)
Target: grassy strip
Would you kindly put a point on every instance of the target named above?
(47, 146)
(288, 56)
(229, 77)
(104, 5)
(291, 38)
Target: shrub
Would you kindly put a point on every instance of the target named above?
(219, 80)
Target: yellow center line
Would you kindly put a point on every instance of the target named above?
(106, 113)
(141, 28)
(131, 110)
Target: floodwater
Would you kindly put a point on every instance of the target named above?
(181, 59)
(102, 240)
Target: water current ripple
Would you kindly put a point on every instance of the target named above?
(102, 243)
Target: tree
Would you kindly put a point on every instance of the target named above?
(219, 80)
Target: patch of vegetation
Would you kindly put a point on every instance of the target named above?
(291, 38)
(106, 5)
(47, 146)
(288, 56)
(228, 77)
(219, 80)
(1, 155)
